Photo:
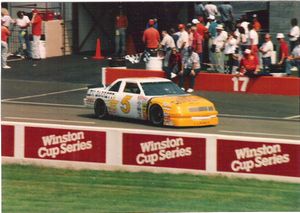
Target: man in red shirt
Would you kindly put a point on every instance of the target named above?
(36, 22)
(283, 49)
(151, 36)
(4, 47)
(121, 27)
(249, 65)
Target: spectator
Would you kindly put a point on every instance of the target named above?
(244, 24)
(151, 37)
(199, 10)
(294, 59)
(167, 45)
(6, 20)
(174, 35)
(243, 38)
(190, 67)
(229, 51)
(266, 49)
(23, 23)
(294, 33)
(36, 22)
(249, 65)
(212, 32)
(253, 40)
(256, 23)
(191, 34)
(4, 47)
(197, 43)
(121, 25)
(226, 12)
(155, 25)
(283, 49)
(201, 29)
(174, 63)
(219, 45)
(183, 40)
(211, 9)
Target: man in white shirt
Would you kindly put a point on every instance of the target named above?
(167, 45)
(293, 59)
(266, 49)
(23, 22)
(253, 40)
(219, 44)
(294, 33)
(211, 9)
(183, 40)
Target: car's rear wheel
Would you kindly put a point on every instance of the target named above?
(100, 109)
(156, 115)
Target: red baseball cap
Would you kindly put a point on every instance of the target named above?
(181, 26)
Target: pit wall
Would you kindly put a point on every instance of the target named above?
(79, 147)
(218, 82)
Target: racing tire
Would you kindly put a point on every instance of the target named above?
(100, 109)
(156, 115)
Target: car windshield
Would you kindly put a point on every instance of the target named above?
(161, 88)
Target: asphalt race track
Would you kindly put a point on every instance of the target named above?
(51, 91)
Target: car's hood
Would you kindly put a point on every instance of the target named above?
(190, 100)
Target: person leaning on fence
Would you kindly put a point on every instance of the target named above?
(249, 65)
(5, 33)
(294, 59)
(190, 67)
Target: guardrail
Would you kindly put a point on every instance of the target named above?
(289, 86)
(81, 147)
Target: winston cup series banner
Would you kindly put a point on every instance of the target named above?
(65, 144)
(164, 151)
(258, 158)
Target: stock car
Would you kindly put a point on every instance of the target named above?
(157, 100)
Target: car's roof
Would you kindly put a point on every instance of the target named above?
(145, 79)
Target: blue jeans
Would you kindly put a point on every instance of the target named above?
(120, 41)
(266, 63)
(186, 72)
(23, 37)
(289, 64)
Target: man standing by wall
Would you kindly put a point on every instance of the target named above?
(151, 37)
(36, 22)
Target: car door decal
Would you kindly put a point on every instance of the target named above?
(125, 104)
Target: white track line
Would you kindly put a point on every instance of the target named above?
(53, 120)
(259, 133)
(44, 104)
(249, 116)
(292, 117)
(45, 94)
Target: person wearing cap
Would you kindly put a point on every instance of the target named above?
(283, 49)
(267, 49)
(121, 24)
(294, 59)
(183, 40)
(190, 67)
(23, 22)
(167, 44)
(226, 12)
(294, 33)
(249, 65)
(197, 43)
(36, 23)
(201, 29)
(256, 23)
(219, 45)
(151, 37)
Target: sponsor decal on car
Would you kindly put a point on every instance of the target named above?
(63, 144)
(258, 157)
(164, 151)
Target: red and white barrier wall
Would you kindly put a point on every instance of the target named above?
(82, 147)
(218, 82)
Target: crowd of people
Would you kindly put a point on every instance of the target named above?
(231, 46)
(22, 22)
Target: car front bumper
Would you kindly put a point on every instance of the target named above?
(211, 120)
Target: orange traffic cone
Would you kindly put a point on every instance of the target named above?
(98, 55)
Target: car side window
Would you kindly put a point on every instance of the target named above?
(115, 87)
(132, 88)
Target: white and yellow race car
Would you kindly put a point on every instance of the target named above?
(158, 100)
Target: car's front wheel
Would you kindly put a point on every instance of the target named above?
(100, 109)
(156, 115)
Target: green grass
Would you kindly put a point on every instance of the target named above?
(35, 189)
